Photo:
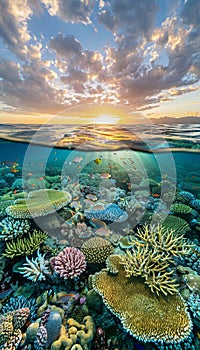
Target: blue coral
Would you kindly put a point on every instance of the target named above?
(21, 302)
(112, 212)
(194, 304)
(188, 196)
(195, 204)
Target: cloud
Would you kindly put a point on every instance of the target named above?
(13, 25)
(74, 11)
(191, 12)
(65, 45)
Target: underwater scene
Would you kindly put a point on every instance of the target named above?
(100, 237)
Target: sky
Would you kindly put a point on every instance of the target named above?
(63, 55)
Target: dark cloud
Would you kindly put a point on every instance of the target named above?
(191, 12)
(74, 11)
(65, 45)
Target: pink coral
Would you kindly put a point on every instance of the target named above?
(69, 263)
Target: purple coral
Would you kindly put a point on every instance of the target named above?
(69, 263)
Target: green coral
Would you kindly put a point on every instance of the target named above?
(25, 246)
(38, 203)
(178, 225)
(180, 208)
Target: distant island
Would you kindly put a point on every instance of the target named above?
(171, 120)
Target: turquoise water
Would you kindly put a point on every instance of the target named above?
(56, 184)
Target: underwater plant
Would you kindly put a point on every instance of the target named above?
(35, 269)
(152, 252)
(39, 203)
(25, 246)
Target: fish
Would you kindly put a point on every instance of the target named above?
(91, 196)
(13, 170)
(98, 161)
(77, 159)
(155, 195)
(50, 294)
(5, 293)
(96, 223)
(41, 178)
(105, 175)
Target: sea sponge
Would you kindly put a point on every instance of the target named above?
(145, 315)
(97, 249)
(39, 203)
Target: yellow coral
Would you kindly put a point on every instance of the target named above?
(153, 251)
(64, 342)
(97, 249)
(145, 315)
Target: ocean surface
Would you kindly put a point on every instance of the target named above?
(77, 199)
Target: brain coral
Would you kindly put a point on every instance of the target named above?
(144, 315)
(38, 203)
(97, 249)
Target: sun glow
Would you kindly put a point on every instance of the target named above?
(106, 119)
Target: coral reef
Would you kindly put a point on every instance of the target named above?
(112, 212)
(69, 263)
(35, 269)
(10, 328)
(97, 249)
(195, 203)
(38, 203)
(25, 246)
(178, 225)
(12, 228)
(180, 208)
(21, 302)
(145, 315)
(187, 196)
(153, 251)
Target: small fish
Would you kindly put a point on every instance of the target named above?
(98, 161)
(105, 175)
(91, 175)
(91, 196)
(41, 178)
(13, 170)
(14, 191)
(50, 295)
(155, 195)
(96, 223)
(29, 174)
(77, 159)
(5, 293)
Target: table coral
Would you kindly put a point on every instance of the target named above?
(145, 315)
(39, 203)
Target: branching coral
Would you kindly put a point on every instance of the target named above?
(12, 228)
(35, 269)
(69, 263)
(152, 253)
(145, 315)
(25, 246)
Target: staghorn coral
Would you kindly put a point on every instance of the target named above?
(38, 203)
(35, 269)
(97, 249)
(153, 250)
(25, 246)
(145, 315)
(69, 263)
(12, 228)
(10, 328)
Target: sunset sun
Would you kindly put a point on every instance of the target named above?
(107, 119)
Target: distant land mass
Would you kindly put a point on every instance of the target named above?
(171, 120)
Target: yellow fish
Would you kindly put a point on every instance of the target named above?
(98, 160)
